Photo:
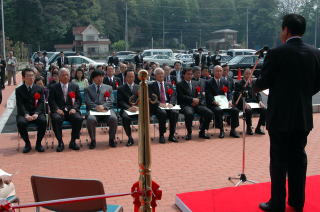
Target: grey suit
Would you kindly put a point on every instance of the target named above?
(93, 99)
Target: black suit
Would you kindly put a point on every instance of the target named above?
(138, 60)
(251, 97)
(61, 62)
(161, 114)
(171, 79)
(113, 60)
(175, 73)
(56, 101)
(185, 97)
(121, 78)
(114, 82)
(3, 72)
(197, 60)
(209, 60)
(212, 89)
(26, 104)
(289, 115)
(123, 96)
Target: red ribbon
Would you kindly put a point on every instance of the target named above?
(5, 206)
(157, 194)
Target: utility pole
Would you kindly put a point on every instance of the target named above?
(152, 42)
(200, 39)
(180, 39)
(316, 24)
(247, 42)
(162, 31)
(3, 35)
(126, 27)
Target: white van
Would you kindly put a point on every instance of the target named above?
(151, 52)
(236, 52)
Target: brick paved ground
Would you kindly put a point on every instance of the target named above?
(177, 167)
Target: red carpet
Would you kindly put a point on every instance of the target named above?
(245, 198)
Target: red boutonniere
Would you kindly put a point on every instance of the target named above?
(36, 97)
(173, 83)
(117, 84)
(106, 95)
(224, 89)
(72, 95)
(170, 91)
(198, 89)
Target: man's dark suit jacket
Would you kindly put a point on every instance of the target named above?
(172, 79)
(124, 94)
(26, 102)
(212, 90)
(66, 61)
(112, 83)
(138, 60)
(197, 59)
(154, 89)
(292, 74)
(56, 98)
(185, 95)
(113, 61)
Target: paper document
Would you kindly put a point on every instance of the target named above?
(95, 113)
(266, 92)
(254, 105)
(4, 173)
(176, 107)
(222, 101)
(132, 113)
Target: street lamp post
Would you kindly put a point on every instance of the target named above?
(315, 24)
(126, 27)
(3, 35)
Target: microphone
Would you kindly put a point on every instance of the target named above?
(261, 51)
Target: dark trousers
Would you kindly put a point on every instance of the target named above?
(288, 157)
(205, 116)
(3, 78)
(22, 125)
(262, 116)
(126, 122)
(218, 116)
(76, 123)
(162, 116)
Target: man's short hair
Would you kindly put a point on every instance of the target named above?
(295, 23)
(225, 65)
(96, 73)
(64, 70)
(196, 68)
(204, 67)
(127, 71)
(176, 63)
(25, 70)
(157, 70)
(184, 71)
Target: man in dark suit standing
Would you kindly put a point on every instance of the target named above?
(30, 106)
(138, 59)
(113, 60)
(110, 79)
(289, 112)
(62, 60)
(177, 71)
(65, 102)
(200, 58)
(215, 87)
(3, 65)
(127, 92)
(190, 100)
(166, 98)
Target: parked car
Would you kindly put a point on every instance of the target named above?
(129, 58)
(56, 55)
(225, 58)
(152, 52)
(122, 55)
(79, 60)
(162, 59)
(243, 62)
(187, 60)
(236, 52)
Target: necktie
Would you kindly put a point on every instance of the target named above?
(178, 76)
(98, 90)
(65, 90)
(62, 60)
(29, 89)
(218, 83)
(162, 94)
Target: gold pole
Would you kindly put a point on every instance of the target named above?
(144, 145)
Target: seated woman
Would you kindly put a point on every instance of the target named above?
(6, 186)
(80, 80)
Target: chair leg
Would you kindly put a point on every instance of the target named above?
(18, 148)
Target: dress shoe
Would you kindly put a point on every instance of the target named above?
(233, 133)
(112, 144)
(73, 145)
(130, 142)
(27, 148)
(39, 148)
(249, 131)
(92, 145)
(296, 209)
(221, 134)
(202, 134)
(60, 147)
(172, 138)
(259, 131)
(161, 139)
(188, 136)
(266, 206)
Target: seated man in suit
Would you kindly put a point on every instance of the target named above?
(125, 92)
(30, 106)
(165, 94)
(98, 97)
(251, 97)
(168, 77)
(64, 102)
(205, 74)
(190, 100)
(218, 86)
(226, 77)
(197, 77)
(110, 79)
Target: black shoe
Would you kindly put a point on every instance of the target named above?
(296, 209)
(73, 145)
(112, 144)
(188, 136)
(130, 142)
(266, 206)
(60, 147)
(39, 148)
(249, 131)
(202, 134)
(161, 139)
(92, 145)
(221, 135)
(173, 139)
(259, 131)
(27, 148)
(233, 133)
